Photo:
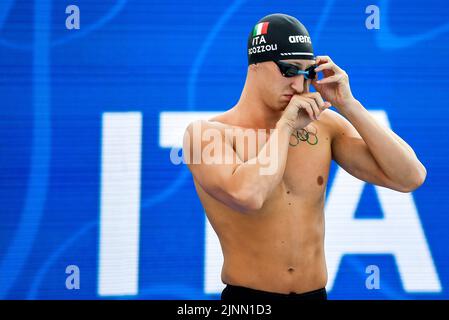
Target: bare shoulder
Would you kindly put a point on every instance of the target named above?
(200, 125)
(330, 116)
(332, 120)
(340, 128)
(203, 130)
(328, 119)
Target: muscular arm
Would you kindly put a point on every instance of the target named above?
(373, 153)
(242, 186)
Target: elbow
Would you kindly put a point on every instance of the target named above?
(248, 200)
(417, 181)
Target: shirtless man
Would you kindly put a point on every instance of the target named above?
(271, 226)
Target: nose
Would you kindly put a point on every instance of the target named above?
(300, 85)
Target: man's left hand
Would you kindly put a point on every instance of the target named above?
(334, 87)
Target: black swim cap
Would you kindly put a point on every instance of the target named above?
(279, 36)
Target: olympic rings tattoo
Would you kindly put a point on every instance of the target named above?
(304, 135)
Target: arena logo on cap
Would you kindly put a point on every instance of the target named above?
(299, 39)
(260, 29)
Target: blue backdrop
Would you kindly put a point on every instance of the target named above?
(149, 58)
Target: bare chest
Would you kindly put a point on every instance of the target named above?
(308, 161)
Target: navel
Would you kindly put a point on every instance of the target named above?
(320, 180)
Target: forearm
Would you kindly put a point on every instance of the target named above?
(395, 157)
(402, 142)
(258, 177)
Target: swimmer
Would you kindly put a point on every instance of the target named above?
(271, 226)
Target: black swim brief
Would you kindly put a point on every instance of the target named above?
(238, 293)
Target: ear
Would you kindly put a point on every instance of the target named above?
(254, 67)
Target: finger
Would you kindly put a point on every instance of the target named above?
(323, 59)
(334, 78)
(324, 66)
(319, 100)
(306, 106)
(319, 59)
(315, 108)
(311, 95)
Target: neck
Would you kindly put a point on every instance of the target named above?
(252, 112)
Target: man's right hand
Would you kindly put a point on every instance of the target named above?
(303, 109)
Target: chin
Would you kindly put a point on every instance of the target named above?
(284, 104)
(279, 105)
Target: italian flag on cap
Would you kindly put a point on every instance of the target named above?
(260, 28)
